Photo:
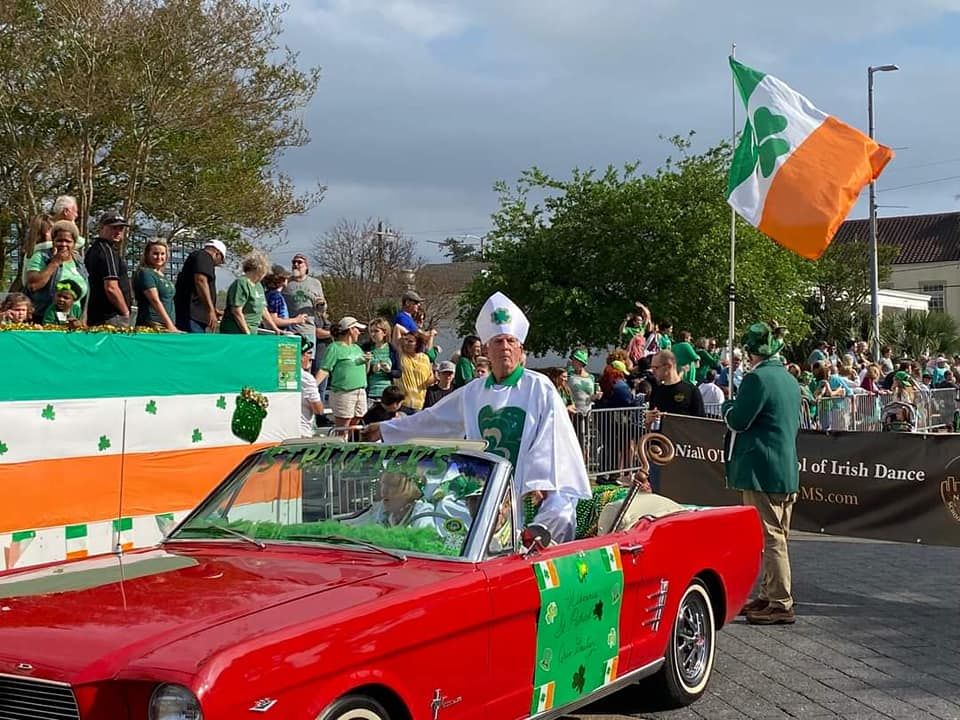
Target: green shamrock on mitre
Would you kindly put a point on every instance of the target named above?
(500, 316)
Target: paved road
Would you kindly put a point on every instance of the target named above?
(877, 636)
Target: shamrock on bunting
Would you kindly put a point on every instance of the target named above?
(48, 413)
(197, 435)
(151, 407)
(3, 448)
(104, 443)
(222, 402)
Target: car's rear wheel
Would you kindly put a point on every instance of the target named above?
(690, 654)
(355, 707)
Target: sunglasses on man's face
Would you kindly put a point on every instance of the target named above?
(299, 262)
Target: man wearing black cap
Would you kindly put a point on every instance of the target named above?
(404, 321)
(110, 292)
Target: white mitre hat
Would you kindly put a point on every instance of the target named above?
(501, 316)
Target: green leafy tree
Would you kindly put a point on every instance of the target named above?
(173, 111)
(457, 250)
(914, 334)
(578, 259)
(841, 291)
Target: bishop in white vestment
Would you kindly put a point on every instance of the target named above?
(519, 414)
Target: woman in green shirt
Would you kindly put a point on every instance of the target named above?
(381, 372)
(53, 265)
(152, 290)
(246, 300)
(466, 365)
(346, 366)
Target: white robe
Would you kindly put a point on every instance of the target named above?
(545, 455)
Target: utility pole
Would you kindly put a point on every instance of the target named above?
(380, 236)
(874, 270)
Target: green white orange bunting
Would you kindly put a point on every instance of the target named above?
(797, 171)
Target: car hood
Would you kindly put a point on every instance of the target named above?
(83, 621)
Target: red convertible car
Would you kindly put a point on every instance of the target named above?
(337, 581)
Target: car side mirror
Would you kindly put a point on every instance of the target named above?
(535, 538)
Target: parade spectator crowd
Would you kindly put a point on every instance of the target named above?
(365, 370)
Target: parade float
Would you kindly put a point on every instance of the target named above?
(109, 438)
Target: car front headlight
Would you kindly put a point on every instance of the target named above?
(174, 702)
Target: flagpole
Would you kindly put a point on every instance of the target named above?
(732, 289)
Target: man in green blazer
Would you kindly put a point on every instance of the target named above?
(764, 420)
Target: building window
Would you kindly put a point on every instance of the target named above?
(935, 291)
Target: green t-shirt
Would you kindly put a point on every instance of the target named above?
(630, 332)
(149, 279)
(379, 381)
(249, 296)
(68, 271)
(582, 390)
(665, 342)
(464, 373)
(50, 314)
(708, 362)
(346, 365)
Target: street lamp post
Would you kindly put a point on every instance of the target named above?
(874, 270)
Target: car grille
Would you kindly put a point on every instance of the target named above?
(29, 699)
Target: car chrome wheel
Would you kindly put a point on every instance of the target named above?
(690, 650)
(693, 639)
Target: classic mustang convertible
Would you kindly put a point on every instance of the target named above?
(338, 581)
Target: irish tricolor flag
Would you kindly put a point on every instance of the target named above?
(547, 577)
(543, 697)
(797, 171)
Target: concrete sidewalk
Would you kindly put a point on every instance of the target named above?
(877, 636)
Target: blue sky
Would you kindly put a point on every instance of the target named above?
(424, 104)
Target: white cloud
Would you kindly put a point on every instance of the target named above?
(424, 104)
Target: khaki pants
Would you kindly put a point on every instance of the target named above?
(775, 510)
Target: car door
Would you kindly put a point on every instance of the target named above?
(566, 621)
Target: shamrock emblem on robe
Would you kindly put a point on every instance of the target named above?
(503, 430)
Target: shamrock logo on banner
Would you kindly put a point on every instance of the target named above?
(103, 443)
(222, 402)
(48, 413)
(500, 316)
(197, 435)
(3, 448)
(151, 407)
(551, 614)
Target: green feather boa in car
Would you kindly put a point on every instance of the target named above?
(424, 540)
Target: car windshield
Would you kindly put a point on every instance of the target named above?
(395, 498)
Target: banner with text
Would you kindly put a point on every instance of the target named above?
(888, 486)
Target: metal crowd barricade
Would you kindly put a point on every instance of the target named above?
(329, 498)
(712, 410)
(610, 439)
(855, 412)
(935, 409)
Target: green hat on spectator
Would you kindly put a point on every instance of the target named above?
(684, 353)
(903, 377)
(619, 365)
(580, 356)
(760, 340)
